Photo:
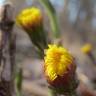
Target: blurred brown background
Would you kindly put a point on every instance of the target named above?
(77, 22)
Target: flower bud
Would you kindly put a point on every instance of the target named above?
(31, 20)
(87, 48)
(60, 69)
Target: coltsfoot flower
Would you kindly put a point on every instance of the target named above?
(59, 69)
(30, 18)
(87, 48)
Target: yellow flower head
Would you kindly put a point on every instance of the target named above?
(86, 48)
(29, 18)
(57, 62)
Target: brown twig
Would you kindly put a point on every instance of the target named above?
(8, 40)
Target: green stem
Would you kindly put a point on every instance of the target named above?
(52, 93)
(19, 79)
(53, 18)
(72, 94)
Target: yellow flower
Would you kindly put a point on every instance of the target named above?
(59, 69)
(29, 18)
(57, 60)
(87, 48)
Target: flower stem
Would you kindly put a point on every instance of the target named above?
(53, 18)
(92, 58)
(72, 94)
(19, 82)
(52, 93)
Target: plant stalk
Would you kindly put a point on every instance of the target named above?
(53, 17)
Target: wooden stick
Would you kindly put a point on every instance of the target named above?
(7, 42)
